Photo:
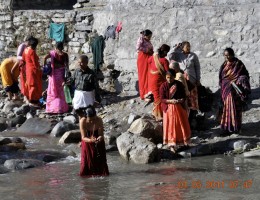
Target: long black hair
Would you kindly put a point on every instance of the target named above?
(33, 42)
(163, 49)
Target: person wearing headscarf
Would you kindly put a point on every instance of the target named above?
(235, 88)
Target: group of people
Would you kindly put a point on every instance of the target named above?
(172, 86)
(85, 91)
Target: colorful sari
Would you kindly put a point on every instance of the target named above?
(236, 72)
(33, 82)
(56, 102)
(143, 47)
(157, 70)
(93, 158)
(176, 128)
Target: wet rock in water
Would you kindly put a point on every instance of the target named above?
(18, 164)
(137, 149)
(35, 125)
(73, 136)
(238, 145)
(70, 119)
(252, 154)
(20, 119)
(73, 149)
(3, 170)
(147, 128)
(4, 140)
(247, 147)
(46, 155)
(199, 150)
(110, 137)
(12, 147)
(62, 127)
(111, 148)
(10, 105)
(3, 124)
(132, 117)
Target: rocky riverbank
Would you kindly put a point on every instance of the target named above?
(129, 128)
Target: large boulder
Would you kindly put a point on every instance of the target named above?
(35, 125)
(73, 136)
(3, 170)
(137, 149)
(18, 164)
(62, 127)
(147, 128)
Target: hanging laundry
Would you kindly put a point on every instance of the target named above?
(56, 32)
(110, 32)
(119, 27)
(98, 46)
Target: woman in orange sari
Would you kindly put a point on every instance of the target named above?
(145, 49)
(158, 66)
(33, 84)
(176, 128)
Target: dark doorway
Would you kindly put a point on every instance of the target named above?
(43, 4)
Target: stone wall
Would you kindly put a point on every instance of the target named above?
(209, 25)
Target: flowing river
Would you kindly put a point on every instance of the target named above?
(208, 177)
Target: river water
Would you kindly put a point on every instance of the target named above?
(208, 177)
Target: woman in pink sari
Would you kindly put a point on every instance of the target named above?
(56, 102)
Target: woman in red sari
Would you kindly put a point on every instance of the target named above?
(235, 86)
(158, 66)
(145, 50)
(176, 128)
(33, 84)
(93, 152)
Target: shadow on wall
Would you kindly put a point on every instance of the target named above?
(43, 5)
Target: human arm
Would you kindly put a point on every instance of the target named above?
(16, 65)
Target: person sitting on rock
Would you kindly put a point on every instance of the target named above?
(10, 77)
